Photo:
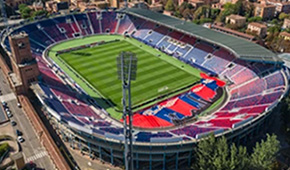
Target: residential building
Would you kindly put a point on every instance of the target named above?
(228, 1)
(236, 20)
(285, 35)
(280, 6)
(286, 23)
(257, 29)
(265, 11)
(196, 3)
(15, 3)
(38, 5)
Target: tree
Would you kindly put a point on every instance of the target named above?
(25, 11)
(40, 13)
(21, 7)
(215, 153)
(205, 153)
(169, 6)
(265, 152)
(255, 19)
(229, 9)
(239, 8)
(202, 12)
(282, 16)
(250, 11)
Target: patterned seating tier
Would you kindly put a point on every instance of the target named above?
(216, 64)
(221, 123)
(205, 47)
(153, 38)
(83, 23)
(124, 25)
(51, 29)
(255, 87)
(243, 76)
(188, 39)
(94, 21)
(162, 30)
(196, 56)
(146, 136)
(275, 80)
(109, 22)
(176, 35)
(192, 130)
(66, 24)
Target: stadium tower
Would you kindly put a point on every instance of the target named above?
(24, 66)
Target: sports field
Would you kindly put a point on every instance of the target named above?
(156, 75)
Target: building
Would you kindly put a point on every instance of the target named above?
(257, 29)
(24, 66)
(236, 20)
(286, 23)
(228, 1)
(285, 35)
(158, 7)
(135, 4)
(280, 6)
(114, 3)
(15, 3)
(37, 5)
(198, 3)
(265, 11)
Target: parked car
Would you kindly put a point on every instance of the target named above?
(4, 103)
(13, 123)
(9, 114)
(20, 139)
(18, 132)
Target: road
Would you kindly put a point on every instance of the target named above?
(32, 148)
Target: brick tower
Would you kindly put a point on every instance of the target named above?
(24, 66)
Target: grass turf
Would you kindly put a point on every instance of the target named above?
(155, 75)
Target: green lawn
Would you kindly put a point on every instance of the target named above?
(155, 75)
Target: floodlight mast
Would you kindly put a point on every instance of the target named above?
(127, 67)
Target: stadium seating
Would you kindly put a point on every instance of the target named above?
(124, 25)
(83, 23)
(94, 21)
(109, 22)
(251, 92)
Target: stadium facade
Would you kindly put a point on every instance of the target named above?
(256, 81)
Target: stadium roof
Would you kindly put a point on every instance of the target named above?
(241, 48)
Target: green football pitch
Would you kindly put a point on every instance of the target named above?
(157, 74)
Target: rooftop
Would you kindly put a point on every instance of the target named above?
(236, 17)
(239, 47)
(285, 34)
(256, 24)
(19, 35)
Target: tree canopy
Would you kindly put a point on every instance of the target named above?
(170, 5)
(216, 154)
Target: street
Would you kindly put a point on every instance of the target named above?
(31, 147)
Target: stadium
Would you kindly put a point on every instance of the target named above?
(191, 81)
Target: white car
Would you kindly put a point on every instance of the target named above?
(9, 114)
(20, 139)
